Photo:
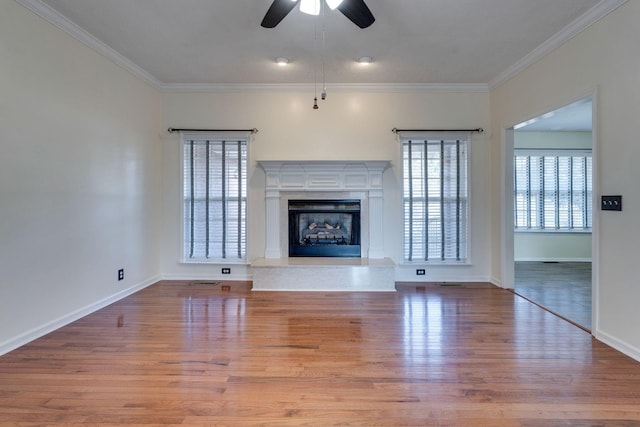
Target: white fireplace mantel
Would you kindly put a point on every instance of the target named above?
(324, 177)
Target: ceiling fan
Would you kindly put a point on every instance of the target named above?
(355, 10)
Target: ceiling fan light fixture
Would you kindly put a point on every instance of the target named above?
(282, 61)
(365, 60)
(310, 7)
(356, 11)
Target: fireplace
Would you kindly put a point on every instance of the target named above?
(322, 180)
(344, 250)
(324, 228)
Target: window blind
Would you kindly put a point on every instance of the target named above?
(435, 199)
(215, 198)
(552, 191)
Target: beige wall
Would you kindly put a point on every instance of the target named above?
(604, 59)
(546, 246)
(348, 125)
(553, 140)
(79, 178)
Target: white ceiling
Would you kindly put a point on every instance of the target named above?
(576, 116)
(221, 42)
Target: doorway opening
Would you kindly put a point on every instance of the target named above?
(553, 212)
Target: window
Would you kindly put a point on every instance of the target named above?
(215, 198)
(435, 199)
(552, 190)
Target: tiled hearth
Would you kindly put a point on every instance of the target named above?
(324, 274)
(318, 180)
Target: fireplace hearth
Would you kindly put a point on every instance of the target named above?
(324, 228)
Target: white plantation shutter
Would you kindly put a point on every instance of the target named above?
(552, 190)
(215, 197)
(435, 198)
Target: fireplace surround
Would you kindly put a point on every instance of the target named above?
(360, 182)
(323, 180)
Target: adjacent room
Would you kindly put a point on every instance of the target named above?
(553, 212)
(318, 212)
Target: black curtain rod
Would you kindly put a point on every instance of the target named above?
(171, 130)
(479, 130)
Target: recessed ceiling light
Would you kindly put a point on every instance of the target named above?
(365, 60)
(282, 61)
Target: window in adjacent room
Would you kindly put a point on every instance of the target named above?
(214, 197)
(435, 198)
(553, 190)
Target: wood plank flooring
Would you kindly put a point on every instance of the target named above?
(563, 288)
(220, 355)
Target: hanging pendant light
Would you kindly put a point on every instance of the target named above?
(323, 95)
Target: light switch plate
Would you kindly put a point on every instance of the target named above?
(611, 203)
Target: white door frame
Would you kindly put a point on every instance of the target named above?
(507, 244)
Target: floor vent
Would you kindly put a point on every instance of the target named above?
(451, 285)
(204, 282)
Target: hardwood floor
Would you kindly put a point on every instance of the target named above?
(563, 288)
(219, 355)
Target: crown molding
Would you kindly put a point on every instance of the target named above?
(336, 87)
(580, 24)
(55, 18)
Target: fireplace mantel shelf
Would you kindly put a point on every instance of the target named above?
(323, 164)
(324, 175)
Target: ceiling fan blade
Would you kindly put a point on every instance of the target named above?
(277, 11)
(357, 12)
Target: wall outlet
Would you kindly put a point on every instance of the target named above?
(226, 270)
(121, 274)
(420, 272)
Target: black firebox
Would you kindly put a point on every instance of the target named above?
(324, 228)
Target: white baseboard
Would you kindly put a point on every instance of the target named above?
(219, 277)
(536, 259)
(42, 330)
(618, 344)
(496, 282)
